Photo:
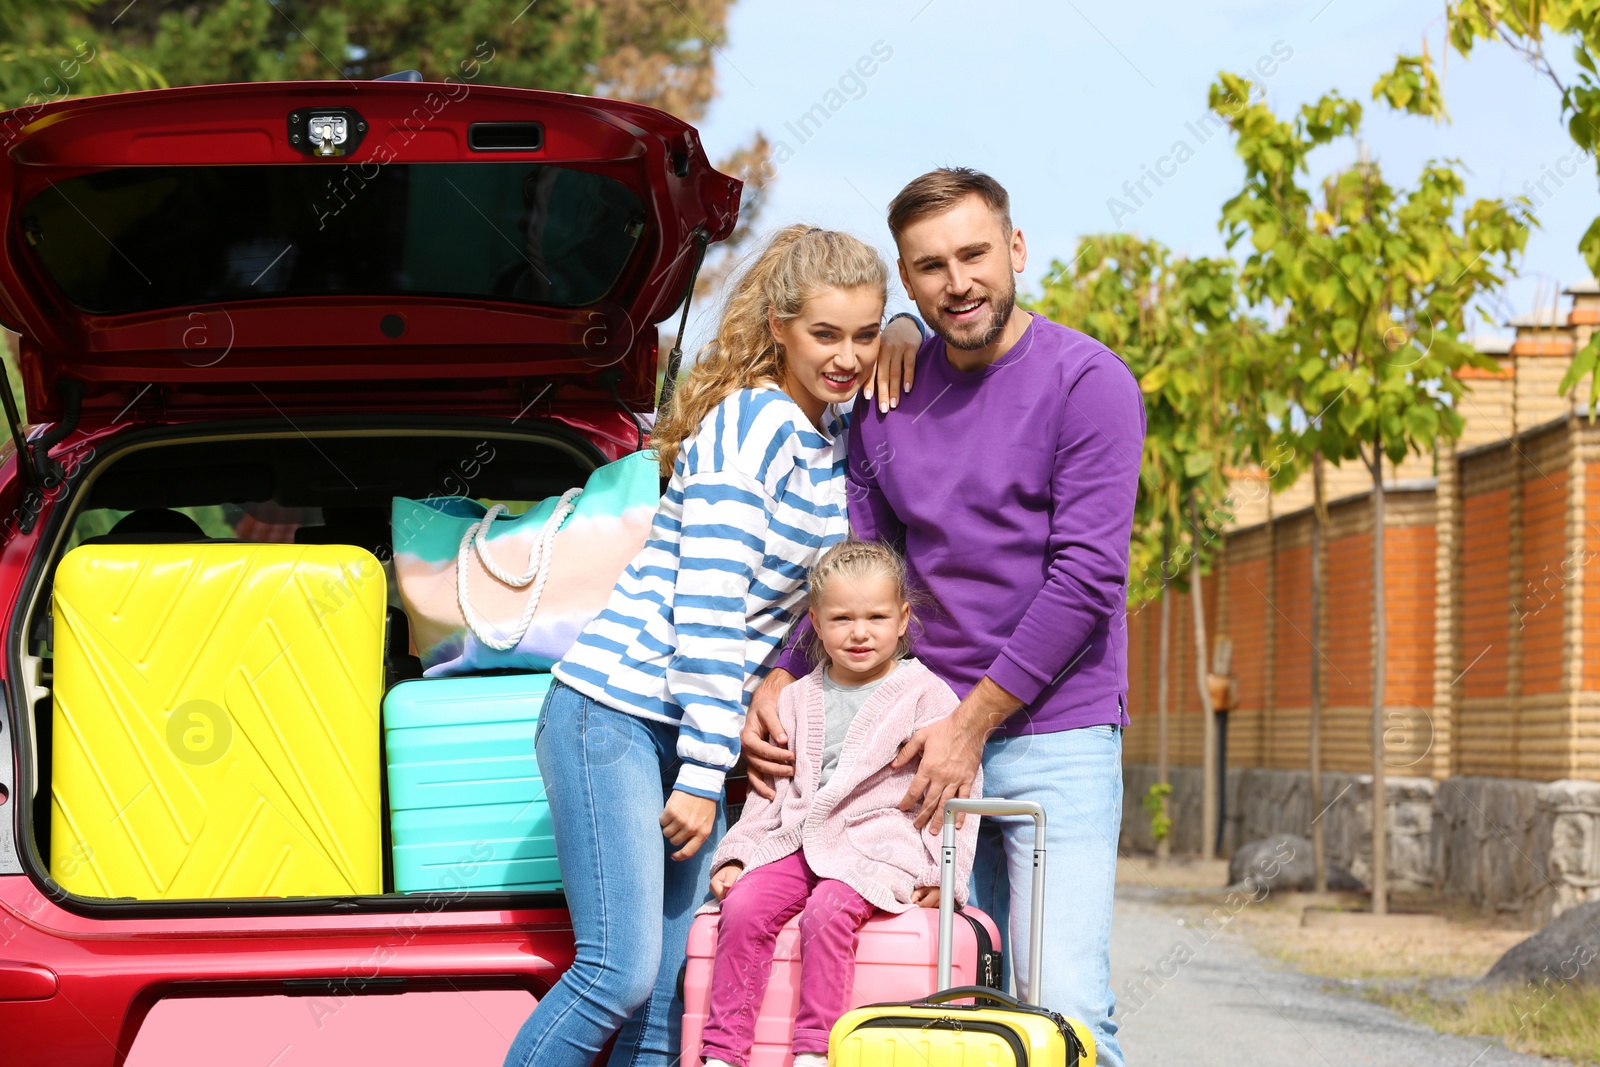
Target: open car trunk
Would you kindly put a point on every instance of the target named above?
(347, 292)
(318, 482)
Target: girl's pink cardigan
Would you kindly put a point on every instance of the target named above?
(851, 829)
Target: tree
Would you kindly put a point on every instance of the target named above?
(1523, 25)
(46, 53)
(1373, 285)
(659, 52)
(554, 45)
(1119, 290)
(1281, 149)
(1223, 389)
(1179, 326)
(656, 52)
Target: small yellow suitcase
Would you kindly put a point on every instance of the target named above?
(216, 721)
(995, 1029)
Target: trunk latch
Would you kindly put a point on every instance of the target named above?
(329, 133)
(326, 131)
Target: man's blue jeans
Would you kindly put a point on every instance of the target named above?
(607, 775)
(1077, 776)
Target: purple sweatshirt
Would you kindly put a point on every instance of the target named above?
(1011, 490)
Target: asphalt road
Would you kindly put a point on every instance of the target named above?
(1209, 1000)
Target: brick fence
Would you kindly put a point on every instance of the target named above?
(1492, 575)
(1493, 593)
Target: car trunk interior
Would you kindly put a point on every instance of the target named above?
(314, 483)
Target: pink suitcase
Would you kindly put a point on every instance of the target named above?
(898, 959)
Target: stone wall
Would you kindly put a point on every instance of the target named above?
(1531, 849)
(1280, 802)
(1183, 806)
(1265, 802)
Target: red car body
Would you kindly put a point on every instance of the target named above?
(78, 978)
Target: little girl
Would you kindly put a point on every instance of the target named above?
(832, 844)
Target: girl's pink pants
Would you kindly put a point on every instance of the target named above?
(760, 902)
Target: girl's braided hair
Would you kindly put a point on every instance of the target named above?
(851, 560)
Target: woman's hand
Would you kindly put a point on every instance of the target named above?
(923, 897)
(726, 875)
(686, 821)
(897, 364)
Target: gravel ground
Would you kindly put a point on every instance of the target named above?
(1209, 1000)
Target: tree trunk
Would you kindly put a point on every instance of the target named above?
(1208, 760)
(1319, 855)
(1380, 651)
(1163, 660)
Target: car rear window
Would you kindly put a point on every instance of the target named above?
(145, 238)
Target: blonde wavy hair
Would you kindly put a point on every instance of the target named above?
(854, 561)
(797, 263)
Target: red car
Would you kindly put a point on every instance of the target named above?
(271, 308)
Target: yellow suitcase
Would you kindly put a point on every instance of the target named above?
(216, 721)
(995, 1029)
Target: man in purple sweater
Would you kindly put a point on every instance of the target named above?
(1008, 478)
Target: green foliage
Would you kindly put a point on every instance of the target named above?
(1372, 283)
(656, 51)
(1155, 803)
(552, 45)
(1582, 366)
(1412, 87)
(1525, 25)
(48, 51)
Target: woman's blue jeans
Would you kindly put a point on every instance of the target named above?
(607, 776)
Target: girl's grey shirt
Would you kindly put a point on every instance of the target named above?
(839, 706)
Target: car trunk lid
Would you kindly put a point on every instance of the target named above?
(349, 246)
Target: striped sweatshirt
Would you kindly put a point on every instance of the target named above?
(698, 617)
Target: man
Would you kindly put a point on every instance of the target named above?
(1008, 478)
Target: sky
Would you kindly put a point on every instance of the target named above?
(1064, 101)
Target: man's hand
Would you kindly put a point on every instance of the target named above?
(951, 751)
(950, 758)
(897, 364)
(925, 897)
(723, 880)
(765, 761)
(686, 821)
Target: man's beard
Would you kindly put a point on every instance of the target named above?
(977, 336)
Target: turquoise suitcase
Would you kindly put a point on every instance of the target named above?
(466, 804)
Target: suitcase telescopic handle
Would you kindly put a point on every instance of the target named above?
(947, 885)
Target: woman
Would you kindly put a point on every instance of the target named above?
(643, 720)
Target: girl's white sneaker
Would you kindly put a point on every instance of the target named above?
(811, 1059)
